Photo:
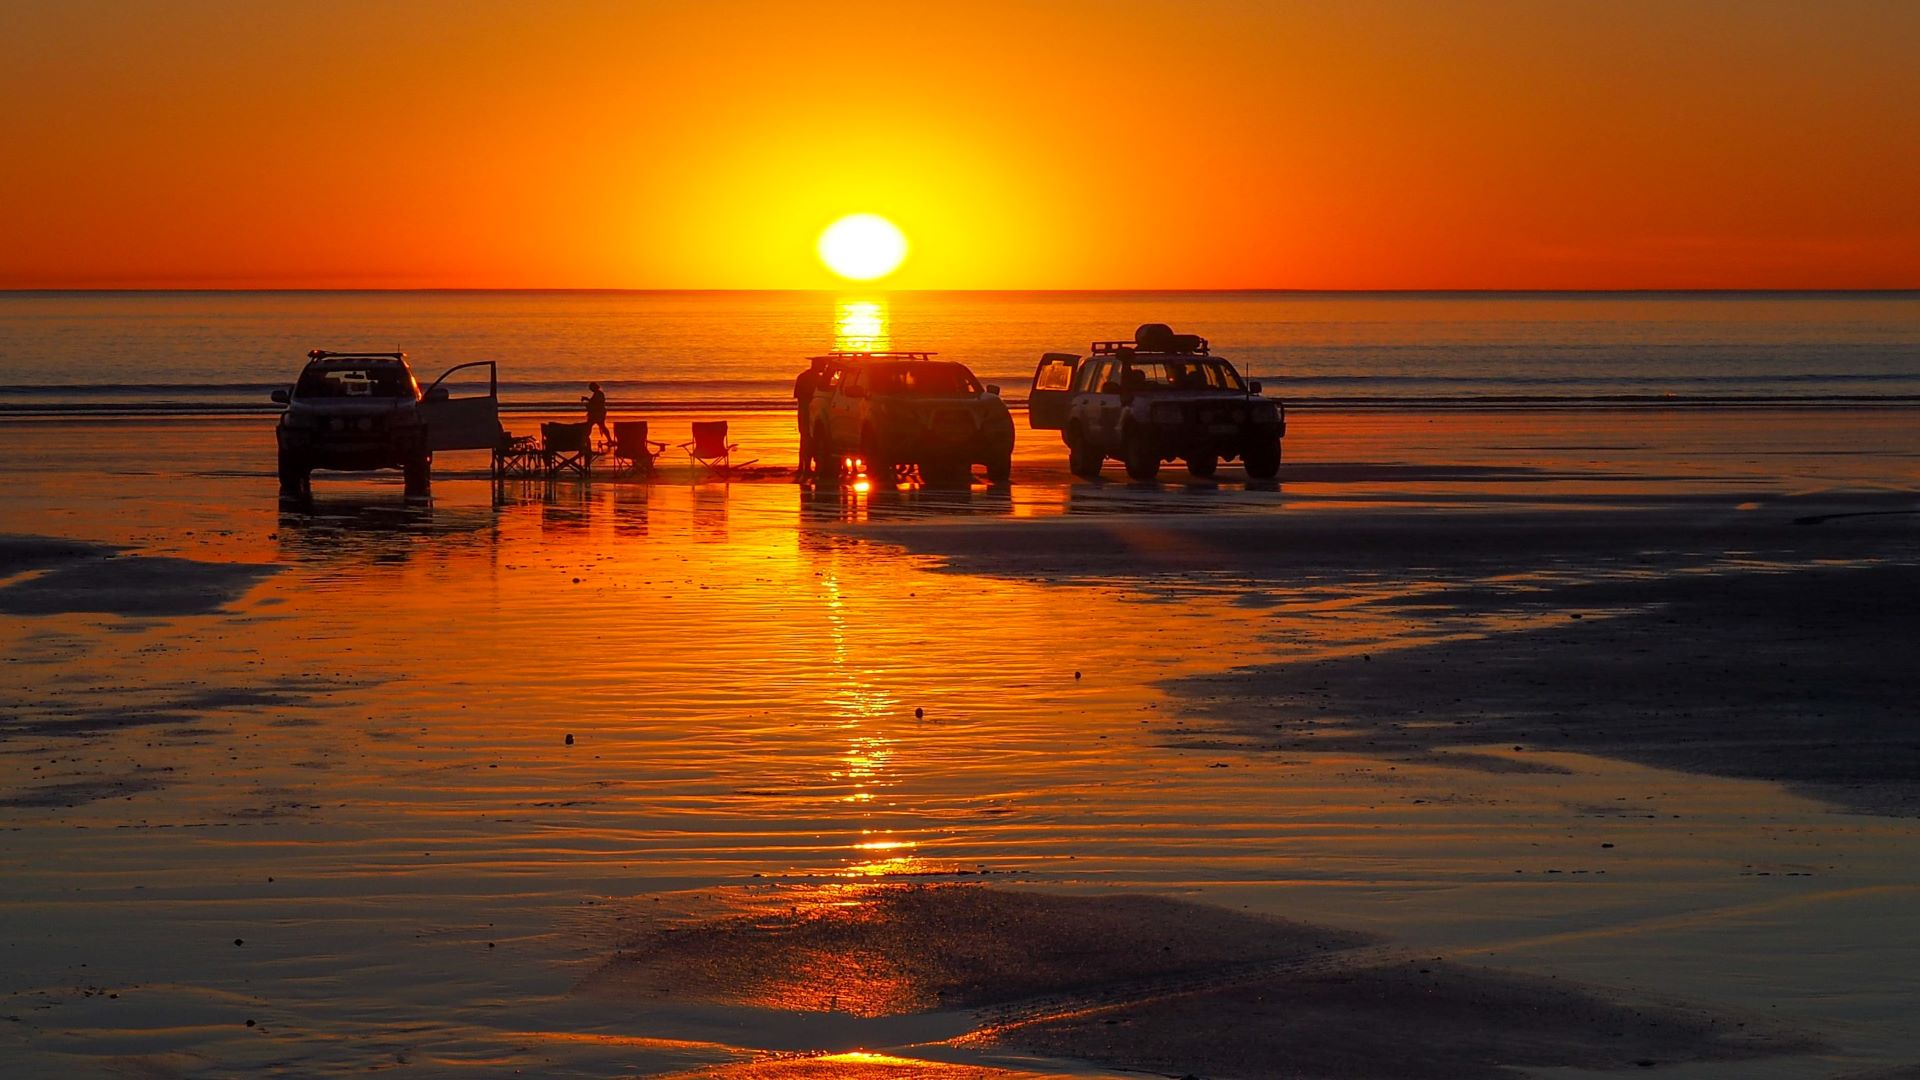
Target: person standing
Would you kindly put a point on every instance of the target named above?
(596, 400)
(808, 383)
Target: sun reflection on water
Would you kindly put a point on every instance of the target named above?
(861, 326)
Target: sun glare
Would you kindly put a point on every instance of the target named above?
(861, 247)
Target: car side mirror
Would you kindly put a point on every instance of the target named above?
(1253, 387)
(438, 393)
(992, 389)
(279, 397)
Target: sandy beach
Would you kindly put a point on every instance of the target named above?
(1482, 744)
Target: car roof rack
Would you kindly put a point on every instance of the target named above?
(322, 354)
(850, 354)
(1112, 348)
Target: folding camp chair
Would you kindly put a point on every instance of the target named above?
(710, 450)
(631, 446)
(566, 449)
(517, 456)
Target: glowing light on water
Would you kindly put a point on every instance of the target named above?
(861, 326)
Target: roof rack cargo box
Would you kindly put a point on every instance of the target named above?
(1160, 338)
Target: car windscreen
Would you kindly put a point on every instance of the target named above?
(924, 380)
(339, 381)
(1173, 374)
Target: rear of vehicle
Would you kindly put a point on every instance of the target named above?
(929, 415)
(361, 411)
(351, 412)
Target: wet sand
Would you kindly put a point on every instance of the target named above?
(1762, 641)
(313, 770)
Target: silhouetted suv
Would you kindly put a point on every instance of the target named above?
(905, 409)
(1160, 397)
(364, 410)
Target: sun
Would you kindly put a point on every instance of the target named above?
(861, 247)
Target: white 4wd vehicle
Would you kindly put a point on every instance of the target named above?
(1160, 397)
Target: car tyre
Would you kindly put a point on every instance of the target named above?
(880, 468)
(1141, 456)
(827, 462)
(1082, 460)
(1263, 460)
(419, 473)
(1000, 468)
(1203, 465)
(951, 472)
(296, 477)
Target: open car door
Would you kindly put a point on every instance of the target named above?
(1052, 387)
(471, 422)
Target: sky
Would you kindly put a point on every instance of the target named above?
(1151, 144)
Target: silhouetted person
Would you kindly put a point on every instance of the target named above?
(596, 400)
(805, 385)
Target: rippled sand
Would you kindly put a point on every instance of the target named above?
(319, 776)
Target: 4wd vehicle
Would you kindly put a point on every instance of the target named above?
(899, 411)
(359, 411)
(1160, 397)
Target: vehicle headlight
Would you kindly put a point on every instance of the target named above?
(1168, 413)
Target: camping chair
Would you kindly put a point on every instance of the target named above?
(710, 450)
(566, 448)
(631, 445)
(517, 456)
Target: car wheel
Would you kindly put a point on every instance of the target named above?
(1082, 460)
(946, 472)
(296, 477)
(1142, 458)
(1202, 465)
(827, 462)
(419, 474)
(1000, 469)
(879, 466)
(1263, 460)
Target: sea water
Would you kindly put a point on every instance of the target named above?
(173, 353)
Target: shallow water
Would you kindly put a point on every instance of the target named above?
(174, 353)
(360, 769)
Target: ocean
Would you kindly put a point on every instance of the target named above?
(192, 353)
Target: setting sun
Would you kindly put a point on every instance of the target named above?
(862, 247)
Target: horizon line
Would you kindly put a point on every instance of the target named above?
(1624, 291)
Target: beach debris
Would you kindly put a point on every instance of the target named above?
(919, 714)
(239, 941)
(569, 738)
(1076, 675)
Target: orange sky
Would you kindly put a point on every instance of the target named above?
(1143, 144)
